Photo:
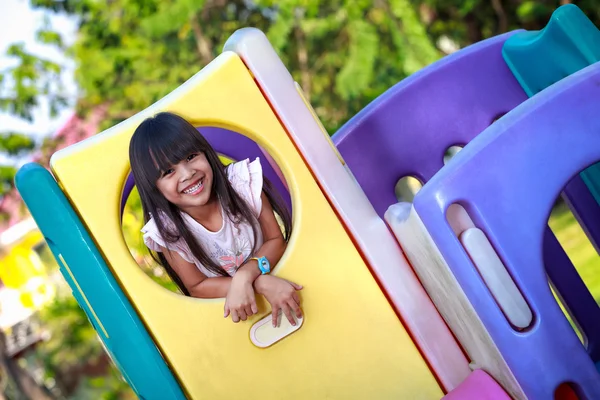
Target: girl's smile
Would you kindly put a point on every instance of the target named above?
(194, 188)
(188, 183)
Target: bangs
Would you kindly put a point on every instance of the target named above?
(166, 151)
(159, 144)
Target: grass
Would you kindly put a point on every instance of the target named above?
(578, 247)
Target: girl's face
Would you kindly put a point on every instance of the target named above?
(188, 183)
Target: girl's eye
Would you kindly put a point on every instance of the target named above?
(167, 172)
(191, 157)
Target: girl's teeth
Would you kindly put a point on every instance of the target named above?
(193, 188)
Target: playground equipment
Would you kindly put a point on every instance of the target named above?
(25, 285)
(474, 319)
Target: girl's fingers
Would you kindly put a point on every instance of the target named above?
(274, 316)
(234, 316)
(242, 314)
(288, 313)
(296, 297)
(294, 305)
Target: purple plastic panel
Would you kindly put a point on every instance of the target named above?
(129, 185)
(235, 146)
(580, 302)
(586, 209)
(507, 179)
(407, 130)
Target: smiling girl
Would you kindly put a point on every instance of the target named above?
(212, 227)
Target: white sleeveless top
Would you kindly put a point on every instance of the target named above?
(231, 244)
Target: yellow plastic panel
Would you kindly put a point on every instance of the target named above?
(351, 344)
(19, 262)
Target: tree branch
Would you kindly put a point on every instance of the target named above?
(302, 53)
(501, 14)
(474, 34)
(203, 44)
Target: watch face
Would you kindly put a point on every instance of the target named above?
(264, 264)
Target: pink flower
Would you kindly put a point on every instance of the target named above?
(231, 262)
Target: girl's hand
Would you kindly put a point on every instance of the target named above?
(240, 300)
(282, 295)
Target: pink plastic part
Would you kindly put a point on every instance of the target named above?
(478, 386)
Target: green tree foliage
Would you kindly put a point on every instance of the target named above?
(31, 80)
(27, 82)
(469, 21)
(344, 53)
(130, 53)
(12, 144)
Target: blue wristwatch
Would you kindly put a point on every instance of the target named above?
(263, 264)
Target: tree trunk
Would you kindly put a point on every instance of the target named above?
(3, 379)
(203, 43)
(24, 382)
(474, 34)
(501, 14)
(305, 76)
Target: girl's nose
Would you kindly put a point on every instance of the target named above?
(186, 173)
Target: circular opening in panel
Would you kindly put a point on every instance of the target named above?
(406, 188)
(451, 152)
(231, 147)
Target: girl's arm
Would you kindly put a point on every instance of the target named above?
(280, 293)
(241, 302)
(197, 284)
(273, 242)
(242, 297)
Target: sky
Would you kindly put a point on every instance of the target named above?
(18, 23)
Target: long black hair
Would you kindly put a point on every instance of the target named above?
(162, 141)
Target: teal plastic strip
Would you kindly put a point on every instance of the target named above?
(539, 59)
(123, 334)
